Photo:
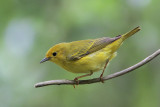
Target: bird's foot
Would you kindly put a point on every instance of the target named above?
(77, 82)
(101, 78)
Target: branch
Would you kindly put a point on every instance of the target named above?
(94, 80)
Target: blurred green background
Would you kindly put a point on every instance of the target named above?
(28, 28)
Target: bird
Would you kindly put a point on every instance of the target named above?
(86, 56)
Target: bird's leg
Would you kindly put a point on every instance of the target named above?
(76, 79)
(103, 71)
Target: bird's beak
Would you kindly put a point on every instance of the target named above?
(45, 59)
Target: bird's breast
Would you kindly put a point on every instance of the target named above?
(92, 62)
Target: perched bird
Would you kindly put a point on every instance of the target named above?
(86, 56)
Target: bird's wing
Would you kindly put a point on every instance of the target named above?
(82, 48)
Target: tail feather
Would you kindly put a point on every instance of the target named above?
(116, 44)
(130, 33)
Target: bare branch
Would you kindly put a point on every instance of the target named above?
(94, 80)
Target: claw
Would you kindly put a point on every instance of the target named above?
(101, 79)
(77, 82)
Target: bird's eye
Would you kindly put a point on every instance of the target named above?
(54, 53)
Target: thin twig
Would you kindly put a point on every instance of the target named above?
(94, 80)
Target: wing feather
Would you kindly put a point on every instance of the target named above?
(86, 47)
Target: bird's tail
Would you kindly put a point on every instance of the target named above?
(130, 33)
(116, 44)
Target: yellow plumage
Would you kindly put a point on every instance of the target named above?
(86, 56)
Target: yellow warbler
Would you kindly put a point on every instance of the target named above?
(86, 56)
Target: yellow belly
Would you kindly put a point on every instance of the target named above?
(92, 62)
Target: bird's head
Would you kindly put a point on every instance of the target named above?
(56, 53)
